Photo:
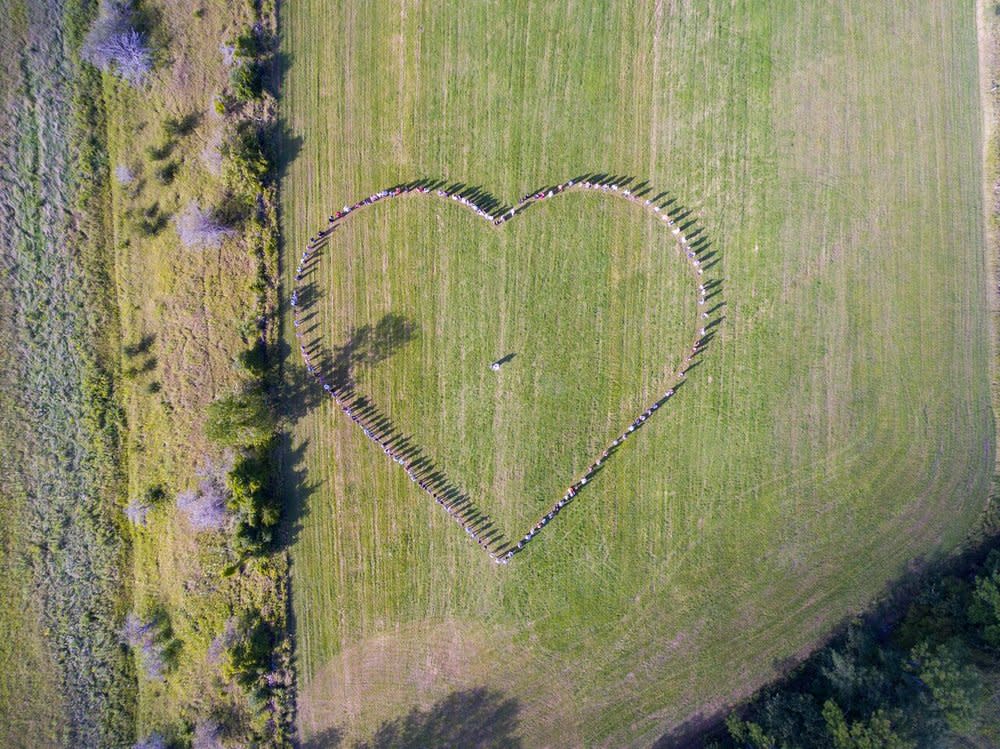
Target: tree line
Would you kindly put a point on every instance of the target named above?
(918, 671)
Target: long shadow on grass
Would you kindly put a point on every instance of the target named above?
(286, 144)
(296, 489)
(478, 718)
(473, 719)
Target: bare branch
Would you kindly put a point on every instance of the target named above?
(199, 228)
(114, 44)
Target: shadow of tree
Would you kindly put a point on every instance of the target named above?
(473, 719)
(329, 738)
(478, 718)
(368, 345)
(285, 145)
(141, 346)
(295, 487)
(692, 732)
(297, 390)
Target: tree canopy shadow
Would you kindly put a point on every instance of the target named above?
(368, 345)
(296, 488)
(329, 738)
(478, 718)
(286, 146)
(297, 391)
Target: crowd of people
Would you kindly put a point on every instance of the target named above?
(418, 471)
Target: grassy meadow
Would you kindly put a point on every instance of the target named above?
(838, 430)
(26, 656)
(63, 553)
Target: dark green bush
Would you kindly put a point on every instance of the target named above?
(247, 80)
(252, 502)
(248, 45)
(246, 164)
(984, 609)
(166, 173)
(176, 127)
(241, 419)
(253, 361)
(248, 660)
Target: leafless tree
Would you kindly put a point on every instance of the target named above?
(205, 506)
(205, 510)
(153, 741)
(141, 636)
(136, 511)
(114, 44)
(224, 640)
(134, 630)
(211, 154)
(207, 735)
(124, 175)
(199, 228)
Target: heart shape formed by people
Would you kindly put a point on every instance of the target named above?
(335, 374)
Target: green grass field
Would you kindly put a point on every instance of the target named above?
(838, 430)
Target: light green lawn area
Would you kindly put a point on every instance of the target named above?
(838, 430)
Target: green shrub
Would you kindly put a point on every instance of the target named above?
(166, 173)
(248, 45)
(253, 361)
(247, 80)
(951, 679)
(253, 503)
(984, 609)
(240, 419)
(248, 660)
(246, 165)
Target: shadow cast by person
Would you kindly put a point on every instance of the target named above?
(480, 718)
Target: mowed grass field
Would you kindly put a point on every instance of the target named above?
(838, 430)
